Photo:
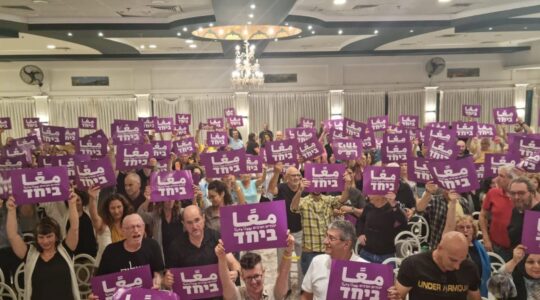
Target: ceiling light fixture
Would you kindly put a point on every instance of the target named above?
(310, 27)
(249, 22)
(193, 46)
(51, 47)
(444, 1)
(411, 31)
(340, 32)
(340, 2)
(246, 32)
(252, 6)
(276, 39)
(69, 34)
(313, 32)
(189, 41)
(40, 1)
(178, 34)
(375, 31)
(247, 73)
(251, 16)
(211, 24)
(184, 29)
(152, 46)
(100, 33)
(142, 47)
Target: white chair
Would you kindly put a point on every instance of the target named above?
(6, 292)
(19, 277)
(396, 261)
(85, 266)
(420, 227)
(406, 243)
(496, 261)
(2, 278)
(28, 237)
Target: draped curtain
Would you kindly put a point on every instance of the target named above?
(406, 103)
(489, 98)
(17, 109)
(169, 107)
(360, 106)
(66, 111)
(209, 106)
(110, 108)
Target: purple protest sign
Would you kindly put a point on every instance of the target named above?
(5, 123)
(347, 149)
(40, 185)
(199, 282)
(471, 110)
(351, 280)
(379, 123)
(161, 149)
(15, 151)
(442, 134)
(525, 146)
(72, 135)
(396, 129)
(335, 134)
(69, 161)
(206, 126)
(216, 122)
(31, 142)
(218, 164)
(395, 148)
(354, 129)
(54, 135)
(235, 121)
(253, 226)
(91, 173)
(530, 236)
(368, 142)
(417, 170)
(300, 134)
(409, 121)
(171, 185)
(93, 145)
(442, 150)
(127, 132)
(532, 163)
(148, 122)
(465, 129)
(458, 175)
(334, 123)
(486, 130)
(146, 294)
(163, 124)
(30, 123)
(185, 146)
(480, 171)
(229, 112)
(324, 177)
(217, 138)
(254, 164)
(162, 165)
(129, 157)
(438, 125)
(310, 149)
(307, 123)
(505, 115)
(183, 119)
(182, 130)
(87, 123)
(5, 184)
(281, 151)
(494, 161)
(380, 180)
(13, 163)
(105, 286)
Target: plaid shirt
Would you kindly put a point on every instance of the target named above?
(317, 212)
(435, 214)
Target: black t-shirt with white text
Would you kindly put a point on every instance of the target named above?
(116, 258)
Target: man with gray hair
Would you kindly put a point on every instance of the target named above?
(498, 205)
(522, 193)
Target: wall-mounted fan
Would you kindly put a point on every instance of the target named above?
(435, 66)
(32, 75)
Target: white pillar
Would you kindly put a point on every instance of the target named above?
(430, 114)
(336, 104)
(42, 108)
(242, 109)
(144, 105)
(520, 99)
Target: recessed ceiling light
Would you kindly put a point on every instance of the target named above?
(340, 2)
(249, 22)
(152, 46)
(310, 27)
(444, 1)
(40, 1)
(525, 27)
(211, 24)
(313, 32)
(69, 34)
(286, 24)
(270, 31)
(199, 29)
(178, 34)
(100, 33)
(276, 39)
(411, 31)
(193, 46)
(375, 31)
(252, 6)
(251, 16)
(51, 47)
(184, 29)
(142, 47)
(340, 31)
(189, 41)
(490, 28)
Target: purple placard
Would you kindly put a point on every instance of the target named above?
(197, 282)
(307, 123)
(486, 130)
(395, 148)
(354, 129)
(146, 294)
(458, 175)
(253, 226)
(336, 134)
(127, 132)
(91, 173)
(87, 123)
(161, 149)
(395, 129)
(380, 180)
(324, 177)
(13, 163)
(183, 119)
(409, 121)
(532, 163)
(235, 121)
(438, 125)
(254, 164)
(14, 150)
(525, 146)
(368, 142)
(163, 124)
(347, 149)
(5, 184)
(206, 126)
(335, 123)
(69, 161)
(148, 122)
(229, 112)
(310, 149)
(350, 280)
(494, 161)
(162, 165)
(217, 138)
(53, 135)
(505, 115)
(129, 157)
(31, 142)
(31, 123)
(171, 185)
(471, 110)
(72, 135)
(216, 122)
(93, 145)
(417, 170)
(281, 151)
(442, 150)
(465, 129)
(442, 134)
(40, 185)
(185, 146)
(379, 123)
(5, 123)
(182, 130)
(530, 236)
(301, 134)
(105, 286)
(219, 164)
(480, 171)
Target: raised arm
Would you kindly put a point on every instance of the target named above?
(450, 224)
(348, 184)
(72, 236)
(431, 188)
(295, 203)
(17, 244)
(97, 221)
(273, 186)
(482, 220)
(282, 280)
(228, 287)
(261, 179)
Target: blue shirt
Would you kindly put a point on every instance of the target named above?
(235, 145)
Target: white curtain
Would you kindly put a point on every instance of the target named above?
(406, 103)
(209, 106)
(169, 107)
(114, 107)
(360, 106)
(17, 109)
(66, 111)
(489, 98)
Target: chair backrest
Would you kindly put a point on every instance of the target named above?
(406, 243)
(85, 266)
(6, 292)
(2, 277)
(18, 281)
(420, 228)
(395, 262)
(496, 261)
(28, 237)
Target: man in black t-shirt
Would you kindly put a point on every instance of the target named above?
(444, 274)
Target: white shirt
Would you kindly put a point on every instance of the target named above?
(318, 273)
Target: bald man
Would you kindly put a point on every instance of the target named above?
(133, 192)
(444, 273)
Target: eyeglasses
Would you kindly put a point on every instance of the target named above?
(256, 277)
(295, 175)
(332, 238)
(519, 193)
(133, 227)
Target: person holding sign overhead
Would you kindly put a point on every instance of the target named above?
(48, 271)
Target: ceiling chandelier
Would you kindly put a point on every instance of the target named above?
(247, 72)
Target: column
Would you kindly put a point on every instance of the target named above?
(430, 115)
(336, 104)
(144, 105)
(42, 108)
(242, 109)
(520, 99)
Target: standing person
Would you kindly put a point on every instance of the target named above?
(264, 132)
(522, 193)
(444, 273)
(525, 270)
(219, 196)
(252, 147)
(8, 260)
(250, 186)
(134, 190)
(235, 142)
(48, 271)
(87, 239)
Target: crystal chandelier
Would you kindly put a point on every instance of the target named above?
(247, 73)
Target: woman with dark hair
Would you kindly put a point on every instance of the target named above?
(252, 147)
(48, 271)
(87, 239)
(219, 196)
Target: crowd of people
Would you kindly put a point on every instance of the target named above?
(121, 227)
